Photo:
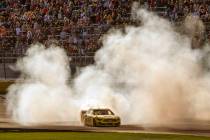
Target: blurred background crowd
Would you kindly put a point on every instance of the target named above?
(77, 25)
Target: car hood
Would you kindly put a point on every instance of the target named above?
(107, 116)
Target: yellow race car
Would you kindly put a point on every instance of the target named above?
(99, 117)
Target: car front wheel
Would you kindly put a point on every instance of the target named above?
(94, 123)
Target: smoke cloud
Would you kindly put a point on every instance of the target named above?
(147, 74)
(43, 95)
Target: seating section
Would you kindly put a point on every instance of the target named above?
(77, 25)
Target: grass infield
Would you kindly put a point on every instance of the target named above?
(93, 136)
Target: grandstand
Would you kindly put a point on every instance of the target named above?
(76, 25)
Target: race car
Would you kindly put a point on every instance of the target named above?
(99, 117)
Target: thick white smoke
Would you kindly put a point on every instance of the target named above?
(147, 74)
(43, 95)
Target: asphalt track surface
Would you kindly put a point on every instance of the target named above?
(187, 127)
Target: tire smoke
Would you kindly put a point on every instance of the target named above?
(43, 95)
(147, 74)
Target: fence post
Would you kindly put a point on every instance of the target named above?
(4, 65)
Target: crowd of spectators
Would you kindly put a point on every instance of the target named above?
(78, 24)
(195, 7)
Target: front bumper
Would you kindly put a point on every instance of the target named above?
(107, 122)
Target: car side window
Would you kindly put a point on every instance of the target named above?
(110, 113)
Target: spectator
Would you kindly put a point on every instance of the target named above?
(29, 36)
(3, 31)
(18, 29)
(39, 20)
(63, 34)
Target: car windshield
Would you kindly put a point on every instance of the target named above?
(103, 112)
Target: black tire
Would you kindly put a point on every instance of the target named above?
(94, 123)
(117, 125)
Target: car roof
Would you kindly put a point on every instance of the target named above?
(100, 109)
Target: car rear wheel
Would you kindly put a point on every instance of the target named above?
(85, 122)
